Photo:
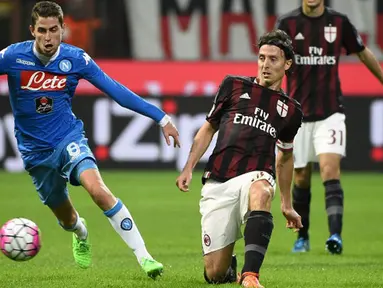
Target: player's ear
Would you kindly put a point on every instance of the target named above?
(31, 28)
(288, 64)
(63, 30)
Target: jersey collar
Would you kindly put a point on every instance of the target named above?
(44, 59)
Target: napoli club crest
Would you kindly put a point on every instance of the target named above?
(126, 224)
(282, 108)
(65, 65)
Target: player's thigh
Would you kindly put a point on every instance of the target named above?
(330, 135)
(217, 262)
(77, 157)
(304, 146)
(51, 187)
(220, 222)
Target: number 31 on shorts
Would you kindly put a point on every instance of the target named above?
(336, 137)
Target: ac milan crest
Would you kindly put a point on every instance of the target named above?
(282, 108)
(330, 33)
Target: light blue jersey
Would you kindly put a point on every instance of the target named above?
(41, 95)
(50, 137)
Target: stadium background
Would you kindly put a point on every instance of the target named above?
(175, 53)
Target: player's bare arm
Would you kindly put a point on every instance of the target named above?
(201, 142)
(369, 60)
(284, 170)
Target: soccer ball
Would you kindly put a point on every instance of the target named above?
(20, 239)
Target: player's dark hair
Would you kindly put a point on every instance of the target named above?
(47, 9)
(280, 39)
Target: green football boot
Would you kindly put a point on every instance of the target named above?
(82, 252)
(152, 268)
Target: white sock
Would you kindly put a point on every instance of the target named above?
(122, 222)
(78, 228)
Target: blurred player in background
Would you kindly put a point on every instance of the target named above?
(42, 76)
(319, 33)
(251, 114)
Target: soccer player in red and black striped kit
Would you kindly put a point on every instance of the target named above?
(251, 115)
(319, 33)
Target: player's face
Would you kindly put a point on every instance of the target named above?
(272, 65)
(48, 34)
(312, 3)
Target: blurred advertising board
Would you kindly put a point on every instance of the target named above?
(203, 77)
(122, 139)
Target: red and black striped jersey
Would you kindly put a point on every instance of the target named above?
(318, 42)
(250, 119)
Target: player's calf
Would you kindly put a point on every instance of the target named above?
(69, 219)
(334, 205)
(91, 180)
(120, 219)
(259, 226)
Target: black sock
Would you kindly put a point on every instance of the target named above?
(258, 231)
(301, 204)
(334, 205)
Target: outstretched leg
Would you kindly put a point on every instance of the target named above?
(118, 215)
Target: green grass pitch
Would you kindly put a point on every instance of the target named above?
(170, 224)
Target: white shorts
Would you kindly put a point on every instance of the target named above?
(314, 138)
(224, 207)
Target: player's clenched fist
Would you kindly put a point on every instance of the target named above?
(183, 181)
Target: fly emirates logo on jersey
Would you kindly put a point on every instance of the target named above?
(258, 121)
(42, 81)
(316, 57)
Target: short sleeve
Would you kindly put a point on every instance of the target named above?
(351, 41)
(223, 93)
(286, 136)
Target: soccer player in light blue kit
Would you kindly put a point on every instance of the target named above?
(42, 78)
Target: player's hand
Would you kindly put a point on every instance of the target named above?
(169, 130)
(294, 221)
(184, 180)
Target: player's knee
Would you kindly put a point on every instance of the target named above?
(260, 196)
(214, 273)
(329, 171)
(302, 177)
